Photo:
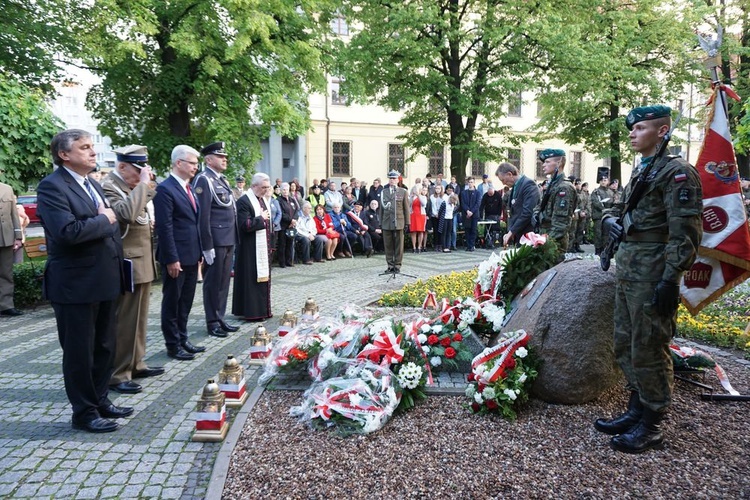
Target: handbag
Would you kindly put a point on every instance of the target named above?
(332, 233)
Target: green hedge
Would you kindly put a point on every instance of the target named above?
(27, 279)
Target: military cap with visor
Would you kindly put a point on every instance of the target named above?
(216, 148)
(134, 154)
(550, 153)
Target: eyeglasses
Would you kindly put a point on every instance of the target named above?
(193, 163)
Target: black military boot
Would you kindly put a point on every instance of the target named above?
(624, 422)
(644, 436)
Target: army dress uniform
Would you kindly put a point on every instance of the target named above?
(218, 231)
(557, 216)
(394, 212)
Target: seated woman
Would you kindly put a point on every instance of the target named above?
(346, 234)
(307, 233)
(324, 227)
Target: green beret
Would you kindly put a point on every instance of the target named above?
(646, 113)
(550, 153)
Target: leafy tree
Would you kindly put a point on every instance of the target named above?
(32, 34)
(198, 71)
(26, 127)
(632, 52)
(450, 66)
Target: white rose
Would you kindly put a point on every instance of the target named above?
(426, 349)
(355, 399)
(422, 338)
(425, 328)
(489, 393)
(511, 394)
(436, 361)
(437, 328)
(470, 390)
(521, 352)
(522, 378)
(478, 398)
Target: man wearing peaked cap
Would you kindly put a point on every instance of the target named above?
(554, 214)
(393, 212)
(239, 187)
(218, 230)
(128, 190)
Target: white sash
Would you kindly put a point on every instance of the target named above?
(261, 243)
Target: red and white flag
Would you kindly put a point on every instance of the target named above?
(724, 254)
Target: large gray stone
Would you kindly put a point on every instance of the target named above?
(571, 330)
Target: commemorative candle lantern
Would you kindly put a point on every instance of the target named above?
(232, 383)
(261, 347)
(211, 414)
(310, 310)
(287, 323)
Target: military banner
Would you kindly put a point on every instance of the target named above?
(724, 254)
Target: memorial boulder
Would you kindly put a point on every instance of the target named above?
(568, 311)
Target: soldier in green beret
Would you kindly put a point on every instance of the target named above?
(659, 242)
(554, 214)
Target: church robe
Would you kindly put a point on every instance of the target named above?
(251, 300)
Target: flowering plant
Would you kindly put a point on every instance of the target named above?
(501, 375)
(442, 343)
(360, 401)
(483, 318)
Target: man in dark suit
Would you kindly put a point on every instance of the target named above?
(176, 211)
(470, 202)
(524, 196)
(218, 227)
(82, 278)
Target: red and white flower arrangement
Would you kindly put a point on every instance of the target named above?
(501, 376)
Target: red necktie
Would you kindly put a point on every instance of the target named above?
(190, 195)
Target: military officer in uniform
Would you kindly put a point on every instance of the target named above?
(659, 242)
(218, 231)
(601, 199)
(554, 214)
(239, 187)
(128, 190)
(394, 212)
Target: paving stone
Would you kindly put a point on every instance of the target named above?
(27, 490)
(171, 493)
(88, 493)
(6, 489)
(152, 491)
(132, 491)
(111, 491)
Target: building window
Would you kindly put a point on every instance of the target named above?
(539, 109)
(575, 164)
(477, 168)
(336, 96)
(514, 157)
(437, 160)
(539, 163)
(341, 158)
(514, 105)
(396, 157)
(339, 26)
(675, 150)
(286, 162)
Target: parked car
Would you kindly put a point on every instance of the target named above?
(29, 204)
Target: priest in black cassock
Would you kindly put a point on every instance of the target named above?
(252, 269)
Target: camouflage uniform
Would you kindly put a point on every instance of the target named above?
(601, 199)
(557, 215)
(584, 205)
(670, 211)
(573, 224)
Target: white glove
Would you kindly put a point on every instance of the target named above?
(209, 256)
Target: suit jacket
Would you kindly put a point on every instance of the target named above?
(394, 209)
(176, 225)
(84, 251)
(135, 224)
(471, 200)
(10, 225)
(218, 218)
(521, 202)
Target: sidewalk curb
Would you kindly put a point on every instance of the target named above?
(224, 457)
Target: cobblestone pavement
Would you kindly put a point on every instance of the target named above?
(152, 455)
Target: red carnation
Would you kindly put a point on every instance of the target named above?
(433, 339)
(375, 357)
(457, 337)
(470, 377)
(476, 407)
(480, 387)
(365, 339)
(510, 363)
(450, 352)
(456, 313)
(491, 404)
(445, 341)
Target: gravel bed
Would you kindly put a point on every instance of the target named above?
(440, 450)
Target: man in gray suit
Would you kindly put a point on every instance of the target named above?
(10, 241)
(394, 212)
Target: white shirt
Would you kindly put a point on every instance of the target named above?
(79, 179)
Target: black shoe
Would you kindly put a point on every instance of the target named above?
(97, 425)
(11, 312)
(154, 371)
(216, 331)
(180, 354)
(624, 422)
(127, 387)
(644, 436)
(112, 411)
(396, 270)
(389, 270)
(229, 328)
(194, 349)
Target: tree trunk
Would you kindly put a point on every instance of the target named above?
(615, 165)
